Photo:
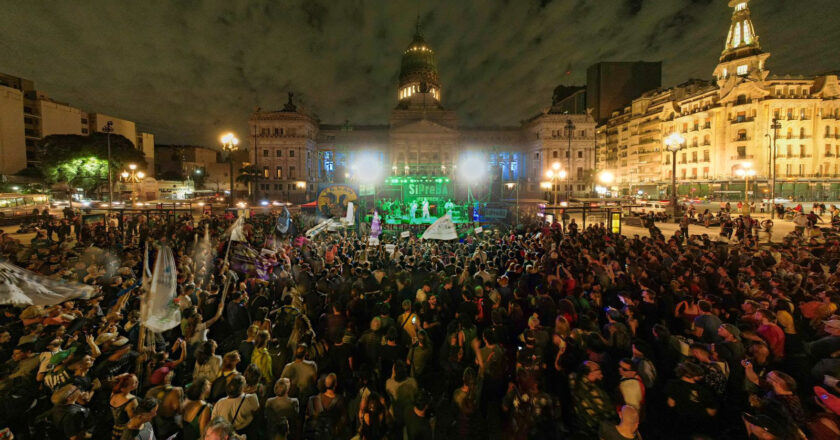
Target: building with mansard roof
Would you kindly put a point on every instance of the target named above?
(298, 153)
(727, 124)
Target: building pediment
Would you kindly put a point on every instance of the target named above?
(827, 87)
(735, 86)
(423, 126)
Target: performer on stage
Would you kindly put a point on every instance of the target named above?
(426, 216)
(413, 210)
(449, 206)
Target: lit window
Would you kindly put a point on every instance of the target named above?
(743, 69)
(747, 33)
(740, 6)
(736, 40)
(725, 72)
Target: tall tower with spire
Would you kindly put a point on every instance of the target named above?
(742, 56)
(418, 72)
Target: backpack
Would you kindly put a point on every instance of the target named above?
(218, 388)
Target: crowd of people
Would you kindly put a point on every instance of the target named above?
(533, 332)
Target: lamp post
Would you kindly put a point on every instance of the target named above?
(108, 129)
(746, 171)
(132, 176)
(229, 143)
(775, 125)
(570, 128)
(554, 174)
(674, 143)
(510, 186)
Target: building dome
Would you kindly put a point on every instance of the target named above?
(418, 70)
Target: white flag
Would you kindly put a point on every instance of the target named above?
(19, 286)
(161, 311)
(442, 229)
(349, 218)
(405, 234)
(479, 230)
(235, 231)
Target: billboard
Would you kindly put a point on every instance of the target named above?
(333, 199)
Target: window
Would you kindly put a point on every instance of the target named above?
(742, 135)
(667, 160)
(801, 151)
(827, 131)
(84, 131)
(743, 70)
(265, 172)
(705, 172)
(279, 173)
(801, 169)
(742, 152)
(741, 6)
(802, 133)
(790, 114)
(725, 73)
(694, 157)
(580, 154)
(265, 153)
(555, 154)
(279, 153)
(683, 159)
(736, 39)
(741, 117)
(706, 156)
(291, 172)
(567, 154)
(291, 153)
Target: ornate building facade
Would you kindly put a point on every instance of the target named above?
(727, 125)
(298, 153)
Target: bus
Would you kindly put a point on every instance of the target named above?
(14, 205)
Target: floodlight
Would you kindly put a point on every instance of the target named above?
(606, 177)
(473, 168)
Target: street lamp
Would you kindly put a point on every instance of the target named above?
(674, 143)
(605, 178)
(229, 143)
(746, 171)
(108, 129)
(133, 177)
(775, 125)
(570, 128)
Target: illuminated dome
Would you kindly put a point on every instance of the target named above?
(418, 70)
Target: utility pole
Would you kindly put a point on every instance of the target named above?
(256, 166)
(775, 126)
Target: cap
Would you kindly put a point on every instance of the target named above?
(830, 401)
(733, 330)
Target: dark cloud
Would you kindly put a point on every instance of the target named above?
(188, 69)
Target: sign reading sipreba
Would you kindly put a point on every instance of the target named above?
(431, 189)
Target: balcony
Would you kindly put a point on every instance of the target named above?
(707, 126)
(742, 157)
(741, 139)
(829, 154)
(741, 120)
(804, 156)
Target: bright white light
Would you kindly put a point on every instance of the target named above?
(545, 185)
(241, 204)
(674, 141)
(141, 174)
(606, 177)
(132, 166)
(473, 168)
(600, 189)
(556, 166)
(124, 174)
(562, 174)
(200, 203)
(264, 203)
(367, 169)
(15, 188)
(549, 174)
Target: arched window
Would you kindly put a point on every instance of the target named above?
(736, 40)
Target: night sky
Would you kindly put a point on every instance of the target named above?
(187, 70)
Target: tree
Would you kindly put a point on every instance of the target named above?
(82, 161)
(248, 175)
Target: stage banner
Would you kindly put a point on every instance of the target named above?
(442, 229)
(333, 199)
